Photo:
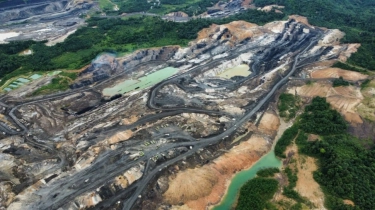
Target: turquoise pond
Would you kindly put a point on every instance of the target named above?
(269, 160)
(140, 83)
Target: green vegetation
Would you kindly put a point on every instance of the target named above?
(109, 35)
(346, 168)
(256, 193)
(340, 82)
(365, 84)
(348, 67)
(57, 84)
(320, 119)
(268, 172)
(289, 190)
(288, 105)
(355, 18)
(191, 7)
(285, 140)
(106, 5)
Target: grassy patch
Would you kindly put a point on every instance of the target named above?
(340, 82)
(288, 105)
(57, 84)
(106, 5)
(285, 140)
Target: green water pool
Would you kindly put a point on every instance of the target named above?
(269, 160)
(141, 83)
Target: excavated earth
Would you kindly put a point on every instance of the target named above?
(168, 144)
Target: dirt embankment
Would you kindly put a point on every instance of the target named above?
(336, 73)
(343, 99)
(204, 186)
(237, 30)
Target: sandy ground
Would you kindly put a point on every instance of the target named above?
(120, 136)
(306, 185)
(60, 39)
(214, 178)
(269, 123)
(367, 108)
(336, 73)
(343, 99)
(239, 30)
(4, 36)
(349, 202)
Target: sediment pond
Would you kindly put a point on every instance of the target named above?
(141, 83)
(269, 160)
(240, 70)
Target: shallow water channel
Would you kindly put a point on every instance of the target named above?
(141, 83)
(269, 160)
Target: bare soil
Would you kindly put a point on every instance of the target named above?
(336, 73)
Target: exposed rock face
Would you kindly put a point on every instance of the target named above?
(24, 11)
(213, 177)
(96, 154)
(107, 65)
(101, 68)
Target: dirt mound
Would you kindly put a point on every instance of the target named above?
(237, 30)
(336, 73)
(191, 185)
(300, 19)
(204, 186)
(120, 136)
(269, 123)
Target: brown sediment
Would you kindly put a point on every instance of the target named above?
(306, 185)
(120, 136)
(269, 123)
(336, 73)
(348, 202)
(212, 178)
(343, 99)
(239, 30)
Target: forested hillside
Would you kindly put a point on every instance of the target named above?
(346, 168)
(109, 35)
(355, 17)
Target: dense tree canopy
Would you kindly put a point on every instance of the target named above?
(255, 193)
(319, 118)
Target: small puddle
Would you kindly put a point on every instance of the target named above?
(240, 70)
(141, 83)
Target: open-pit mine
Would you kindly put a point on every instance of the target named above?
(160, 128)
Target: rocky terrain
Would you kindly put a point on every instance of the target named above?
(41, 20)
(144, 148)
